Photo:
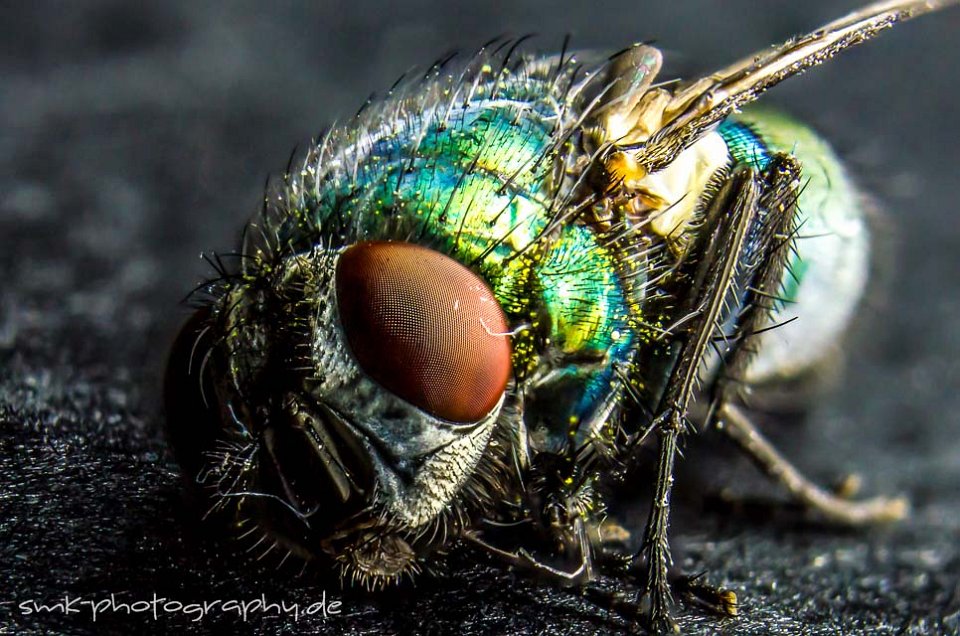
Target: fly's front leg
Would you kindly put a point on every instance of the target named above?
(523, 559)
(729, 220)
(773, 246)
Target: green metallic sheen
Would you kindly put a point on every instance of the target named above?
(478, 183)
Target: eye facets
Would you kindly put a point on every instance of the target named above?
(424, 327)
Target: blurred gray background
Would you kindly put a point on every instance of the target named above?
(133, 137)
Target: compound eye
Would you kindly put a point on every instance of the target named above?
(424, 327)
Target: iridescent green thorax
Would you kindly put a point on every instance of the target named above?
(479, 181)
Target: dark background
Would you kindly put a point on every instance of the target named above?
(133, 138)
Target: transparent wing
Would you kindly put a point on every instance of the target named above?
(693, 110)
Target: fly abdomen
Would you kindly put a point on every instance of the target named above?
(826, 271)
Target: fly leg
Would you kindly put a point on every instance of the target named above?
(735, 424)
(729, 220)
(774, 244)
(523, 559)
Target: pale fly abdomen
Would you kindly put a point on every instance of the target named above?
(826, 271)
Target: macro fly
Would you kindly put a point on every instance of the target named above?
(473, 305)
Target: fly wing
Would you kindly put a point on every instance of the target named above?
(693, 110)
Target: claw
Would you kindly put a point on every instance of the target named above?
(718, 600)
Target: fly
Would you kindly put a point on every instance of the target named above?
(469, 308)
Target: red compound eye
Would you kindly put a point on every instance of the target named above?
(424, 327)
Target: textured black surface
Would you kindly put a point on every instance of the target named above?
(133, 139)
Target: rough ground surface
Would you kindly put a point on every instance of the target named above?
(133, 139)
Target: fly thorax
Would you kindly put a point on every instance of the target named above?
(586, 302)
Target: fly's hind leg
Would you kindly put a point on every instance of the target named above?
(723, 247)
(779, 203)
(735, 424)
